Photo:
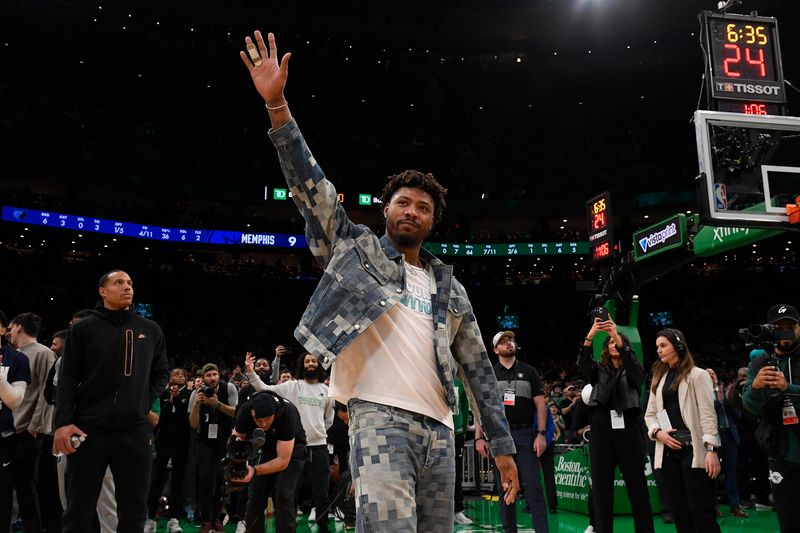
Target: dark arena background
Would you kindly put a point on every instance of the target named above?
(138, 121)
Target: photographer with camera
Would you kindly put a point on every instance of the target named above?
(283, 455)
(211, 412)
(316, 409)
(681, 419)
(616, 424)
(772, 391)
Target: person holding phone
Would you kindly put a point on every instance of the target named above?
(773, 392)
(681, 419)
(616, 381)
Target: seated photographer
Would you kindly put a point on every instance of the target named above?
(768, 392)
(283, 456)
(681, 419)
(211, 411)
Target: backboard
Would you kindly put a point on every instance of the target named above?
(749, 168)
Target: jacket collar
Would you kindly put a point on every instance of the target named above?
(393, 253)
(115, 317)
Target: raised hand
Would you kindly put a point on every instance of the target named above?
(249, 362)
(269, 76)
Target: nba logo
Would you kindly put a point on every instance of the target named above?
(720, 197)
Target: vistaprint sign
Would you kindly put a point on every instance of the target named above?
(660, 237)
(666, 235)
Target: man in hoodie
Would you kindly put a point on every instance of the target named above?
(114, 367)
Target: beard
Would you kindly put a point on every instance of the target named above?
(403, 239)
(406, 240)
(311, 374)
(263, 374)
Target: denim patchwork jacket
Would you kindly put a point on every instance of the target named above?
(364, 277)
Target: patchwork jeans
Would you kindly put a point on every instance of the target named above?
(403, 468)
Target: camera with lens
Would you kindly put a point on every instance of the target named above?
(207, 391)
(238, 455)
(758, 334)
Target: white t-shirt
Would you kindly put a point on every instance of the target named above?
(393, 362)
(313, 402)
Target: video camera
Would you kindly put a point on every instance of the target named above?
(238, 455)
(758, 334)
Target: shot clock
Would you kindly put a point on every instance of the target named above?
(744, 64)
(598, 211)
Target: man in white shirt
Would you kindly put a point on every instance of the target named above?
(395, 325)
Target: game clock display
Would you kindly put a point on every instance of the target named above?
(598, 212)
(745, 61)
(601, 251)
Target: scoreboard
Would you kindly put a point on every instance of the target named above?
(601, 238)
(507, 249)
(35, 217)
(52, 219)
(743, 64)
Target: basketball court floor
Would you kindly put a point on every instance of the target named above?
(486, 518)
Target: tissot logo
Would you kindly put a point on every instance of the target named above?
(748, 88)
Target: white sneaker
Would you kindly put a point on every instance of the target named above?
(150, 526)
(461, 518)
(173, 526)
(312, 515)
(589, 529)
(241, 527)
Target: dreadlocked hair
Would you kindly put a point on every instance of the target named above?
(417, 180)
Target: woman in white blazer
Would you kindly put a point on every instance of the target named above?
(680, 417)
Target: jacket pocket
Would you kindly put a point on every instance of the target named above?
(457, 307)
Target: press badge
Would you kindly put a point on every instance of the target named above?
(663, 420)
(617, 420)
(509, 397)
(212, 431)
(789, 414)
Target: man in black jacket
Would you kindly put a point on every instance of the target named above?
(114, 367)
